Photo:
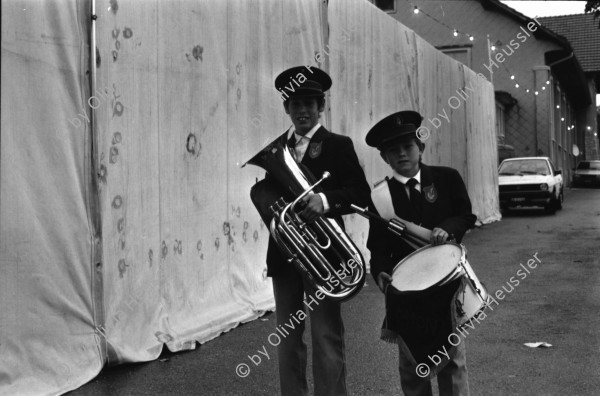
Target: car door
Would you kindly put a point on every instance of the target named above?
(557, 176)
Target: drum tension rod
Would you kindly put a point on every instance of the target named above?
(459, 304)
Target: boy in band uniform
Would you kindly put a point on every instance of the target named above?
(319, 150)
(431, 196)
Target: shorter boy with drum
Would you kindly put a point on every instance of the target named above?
(420, 320)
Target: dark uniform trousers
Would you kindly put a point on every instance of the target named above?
(445, 204)
(334, 153)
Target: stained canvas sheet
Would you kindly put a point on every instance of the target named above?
(48, 342)
(190, 98)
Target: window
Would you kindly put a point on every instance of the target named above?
(500, 120)
(552, 167)
(589, 165)
(461, 54)
(524, 166)
(385, 5)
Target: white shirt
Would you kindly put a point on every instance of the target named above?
(404, 179)
(302, 141)
(300, 149)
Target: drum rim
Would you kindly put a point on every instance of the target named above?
(447, 278)
(457, 273)
(459, 245)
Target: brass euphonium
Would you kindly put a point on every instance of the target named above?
(321, 250)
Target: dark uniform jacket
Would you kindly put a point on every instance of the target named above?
(347, 185)
(445, 204)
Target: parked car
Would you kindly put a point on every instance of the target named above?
(587, 173)
(530, 181)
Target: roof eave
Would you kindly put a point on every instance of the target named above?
(567, 69)
(541, 31)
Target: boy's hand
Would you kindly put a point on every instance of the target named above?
(438, 236)
(383, 279)
(313, 209)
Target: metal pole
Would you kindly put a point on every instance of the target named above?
(94, 202)
(535, 117)
(93, 64)
(490, 59)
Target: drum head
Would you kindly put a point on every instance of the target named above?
(427, 267)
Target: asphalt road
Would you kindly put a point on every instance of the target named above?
(558, 302)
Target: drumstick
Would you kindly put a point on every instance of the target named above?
(420, 234)
(412, 234)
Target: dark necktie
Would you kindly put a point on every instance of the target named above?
(415, 197)
(291, 143)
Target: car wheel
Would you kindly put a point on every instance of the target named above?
(561, 198)
(551, 206)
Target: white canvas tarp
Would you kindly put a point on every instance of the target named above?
(47, 338)
(190, 99)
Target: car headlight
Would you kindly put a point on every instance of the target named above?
(544, 187)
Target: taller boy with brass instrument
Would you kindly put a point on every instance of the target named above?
(318, 150)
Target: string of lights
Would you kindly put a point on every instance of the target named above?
(493, 47)
(455, 32)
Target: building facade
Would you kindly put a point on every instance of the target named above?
(583, 33)
(540, 86)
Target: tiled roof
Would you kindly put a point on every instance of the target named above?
(583, 33)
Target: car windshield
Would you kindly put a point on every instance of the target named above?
(524, 167)
(589, 165)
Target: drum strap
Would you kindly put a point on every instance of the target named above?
(415, 236)
(382, 199)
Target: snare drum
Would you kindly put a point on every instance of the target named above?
(433, 294)
(437, 266)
